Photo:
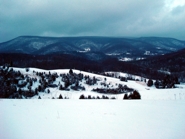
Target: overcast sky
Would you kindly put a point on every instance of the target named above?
(133, 18)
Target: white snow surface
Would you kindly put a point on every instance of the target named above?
(90, 119)
(125, 59)
(39, 45)
(158, 115)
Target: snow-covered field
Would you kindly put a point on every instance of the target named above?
(102, 119)
(158, 115)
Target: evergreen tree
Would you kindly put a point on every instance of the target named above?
(39, 88)
(48, 91)
(125, 96)
(60, 97)
(61, 87)
(36, 91)
(136, 95)
(71, 72)
(66, 82)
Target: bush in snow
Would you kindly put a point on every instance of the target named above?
(74, 88)
(61, 87)
(157, 83)
(120, 89)
(113, 98)
(97, 97)
(150, 83)
(82, 97)
(21, 83)
(27, 69)
(104, 97)
(123, 79)
(29, 93)
(89, 96)
(134, 95)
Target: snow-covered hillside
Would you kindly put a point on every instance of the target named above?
(145, 91)
(35, 83)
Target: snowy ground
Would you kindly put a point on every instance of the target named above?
(159, 115)
(100, 119)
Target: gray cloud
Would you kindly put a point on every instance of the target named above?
(91, 17)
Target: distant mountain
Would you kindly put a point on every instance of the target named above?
(173, 63)
(119, 47)
(97, 54)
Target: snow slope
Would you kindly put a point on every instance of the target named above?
(147, 93)
(89, 119)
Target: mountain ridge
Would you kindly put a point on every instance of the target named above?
(107, 45)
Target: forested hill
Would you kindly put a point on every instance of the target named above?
(106, 45)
